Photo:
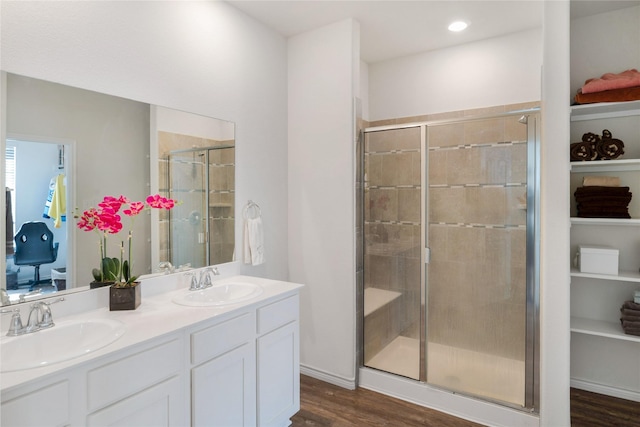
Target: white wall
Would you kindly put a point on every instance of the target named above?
(594, 53)
(323, 79)
(202, 57)
(497, 71)
(554, 212)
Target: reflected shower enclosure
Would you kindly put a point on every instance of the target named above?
(449, 255)
(201, 227)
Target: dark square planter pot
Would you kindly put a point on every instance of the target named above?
(95, 285)
(124, 298)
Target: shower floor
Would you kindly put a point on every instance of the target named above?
(401, 356)
(454, 368)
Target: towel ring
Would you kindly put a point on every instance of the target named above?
(251, 210)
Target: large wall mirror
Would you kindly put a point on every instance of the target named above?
(87, 145)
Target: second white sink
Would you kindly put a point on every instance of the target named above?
(219, 294)
(61, 342)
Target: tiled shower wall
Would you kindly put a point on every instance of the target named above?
(222, 195)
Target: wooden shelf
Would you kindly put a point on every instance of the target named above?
(601, 328)
(605, 221)
(604, 110)
(606, 166)
(623, 276)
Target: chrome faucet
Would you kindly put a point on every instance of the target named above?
(16, 327)
(204, 281)
(39, 318)
(166, 267)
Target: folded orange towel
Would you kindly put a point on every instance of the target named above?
(609, 81)
(600, 181)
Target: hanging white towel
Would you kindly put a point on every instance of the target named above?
(253, 241)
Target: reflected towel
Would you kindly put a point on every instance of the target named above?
(253, 241)
(58, 207)
(9, 223)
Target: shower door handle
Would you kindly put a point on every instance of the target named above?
(427, 255)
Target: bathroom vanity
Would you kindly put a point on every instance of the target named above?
(235, 364)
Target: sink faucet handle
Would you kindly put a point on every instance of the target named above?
(215, 271)
(47, 319)
(193, 282)
(166, 267)
(205, 278)
(16, 327)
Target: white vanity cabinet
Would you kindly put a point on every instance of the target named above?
(230, 366)
(278, 362)
(143, 388)
(246, 370)
(223, 374)
(50, 398)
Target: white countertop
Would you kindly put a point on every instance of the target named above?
(157, 315)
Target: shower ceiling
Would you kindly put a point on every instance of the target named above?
(390, 29)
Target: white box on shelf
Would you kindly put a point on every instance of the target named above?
(598, 259)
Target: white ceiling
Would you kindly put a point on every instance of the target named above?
(394, 28)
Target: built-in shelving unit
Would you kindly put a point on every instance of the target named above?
(601, 328)
(623, 276)
(595, 298)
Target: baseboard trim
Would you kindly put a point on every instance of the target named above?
(348, 383)
(606, 390)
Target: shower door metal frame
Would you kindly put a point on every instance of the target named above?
(530, 118)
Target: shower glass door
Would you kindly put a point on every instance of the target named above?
(477, 274)
(449, 254)
(188, 224)
(202, 224)
(392, 251)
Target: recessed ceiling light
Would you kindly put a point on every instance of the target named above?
(458, 26)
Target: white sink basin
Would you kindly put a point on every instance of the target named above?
(219, 294)
(61, 342)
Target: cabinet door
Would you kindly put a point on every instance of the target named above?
(46, 406)
(224, 390)
(278, 376)
(156, 406)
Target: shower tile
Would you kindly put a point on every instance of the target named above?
(484, 131)
(409, 204)
(437, 171)
(446, 115)
(516, 203)
(446, 135)
(404, 168)
(485, 111)
(466, 244)
(438, 238)
(464, 166)
(383, 204)
(373, 169)
(444, 205)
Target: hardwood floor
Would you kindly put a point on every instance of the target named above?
(323, 404)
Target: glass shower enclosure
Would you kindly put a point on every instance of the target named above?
(450, 282)
(201, 226)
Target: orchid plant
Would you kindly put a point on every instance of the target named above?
(105, 220)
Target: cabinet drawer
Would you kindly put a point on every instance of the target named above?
(46, 406)
(215, 340)
(277, 314)
(126, 376)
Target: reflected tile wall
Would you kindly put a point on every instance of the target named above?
(222, 201)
